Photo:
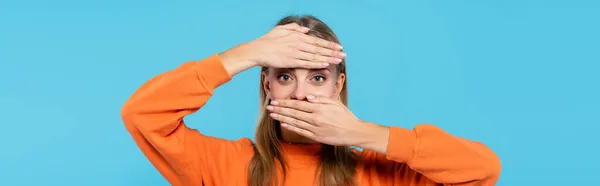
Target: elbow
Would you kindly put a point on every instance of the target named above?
(488, 165)
(491, 170)
(131, 107)
(130, 115)
(491, 177)
(128, 112)
(489, 162)
(495, 167)
(487, 174)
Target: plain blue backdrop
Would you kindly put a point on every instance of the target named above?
(522, 76)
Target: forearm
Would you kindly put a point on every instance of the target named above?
(160, 103)
(373, 137)
(435, 153)
(235, 60)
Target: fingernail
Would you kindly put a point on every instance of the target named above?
(342, 54)
(339, 46)
(269, 107)
(274, 102)
(338, 60)
(324, 64)
(273, 115)
(305, 29)
(310, 97)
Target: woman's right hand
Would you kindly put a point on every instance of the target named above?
(285, 46)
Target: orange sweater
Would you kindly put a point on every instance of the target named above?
(154, 115)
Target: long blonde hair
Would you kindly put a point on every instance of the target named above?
(337, 163)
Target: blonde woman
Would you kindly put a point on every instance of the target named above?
(306, 130)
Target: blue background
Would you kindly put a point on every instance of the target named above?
(522, 76)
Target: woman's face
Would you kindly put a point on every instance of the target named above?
(299, 83)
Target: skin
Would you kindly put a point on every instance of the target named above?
(298, 84)
(303, 86)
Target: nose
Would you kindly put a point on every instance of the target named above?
(300, 92)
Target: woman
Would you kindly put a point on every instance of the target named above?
(305, 130)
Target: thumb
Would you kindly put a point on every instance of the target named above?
(294, 27)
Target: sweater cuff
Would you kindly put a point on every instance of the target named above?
(211, 72)
(401, 145)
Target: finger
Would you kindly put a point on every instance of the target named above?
(316, 58)
(300, 131)
(294, 27)
(320, 99)
(321, 51)
(301, 63)
(321, 42)
(296, 104)
(298, 114)
(293, 121)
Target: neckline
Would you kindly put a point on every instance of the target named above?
(301, 155)
(300, 149)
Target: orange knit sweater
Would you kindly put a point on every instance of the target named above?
(425, 155)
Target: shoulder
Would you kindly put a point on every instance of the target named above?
(246, 145)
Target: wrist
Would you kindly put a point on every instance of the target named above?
(237, 59)
(373, 137)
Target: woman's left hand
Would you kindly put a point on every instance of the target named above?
(322, 119)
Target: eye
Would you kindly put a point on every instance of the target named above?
(283, 77)
(319, 78)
